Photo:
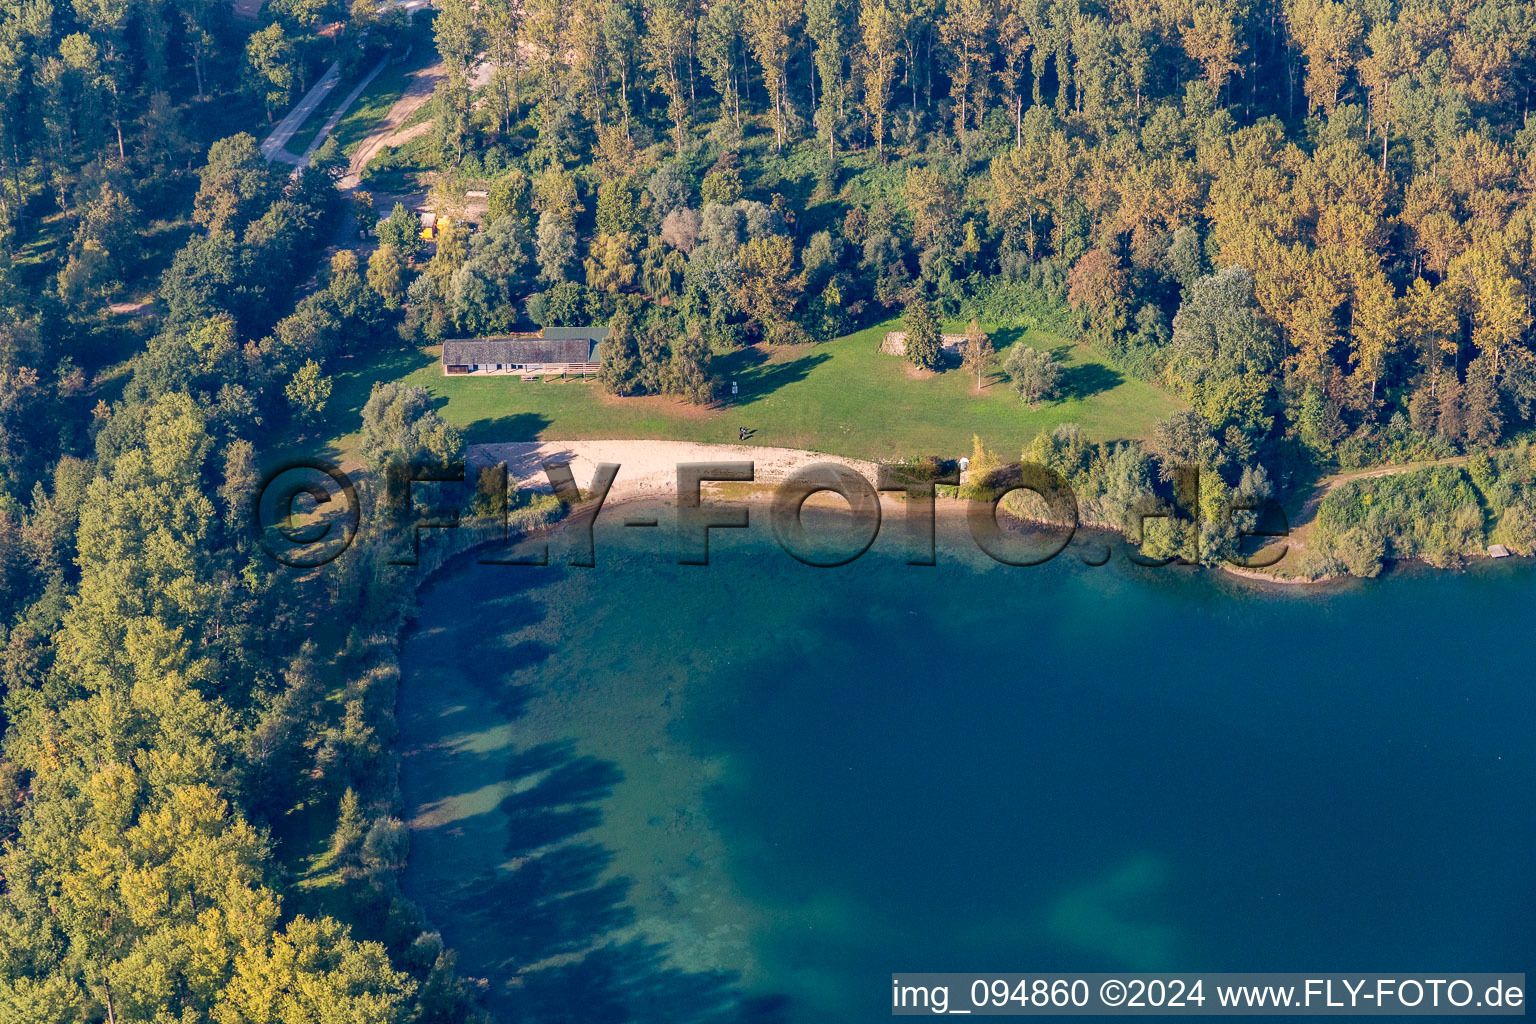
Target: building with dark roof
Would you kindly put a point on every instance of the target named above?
(553, 350)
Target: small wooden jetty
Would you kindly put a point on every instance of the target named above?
(1498, 551)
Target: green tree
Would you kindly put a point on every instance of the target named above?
(1183, 441)
(556, 247)
(351, 826)
(1035, 374)
(385, 847)
(241, 479)
(271, 68)
(965, 28)
(363, 209)
(978, 351)
(719, 45)
(691, 376)
(619, 370)
(401, 424)
(387, 275)
(769, 287)
(670, 34)
(315, 971)
(452, 125)
(924, 342)
(611, 267)
(770, 27)
(1220, 334)
(401, 231)
(722, 187)
(1375, 331)
(825, 22)
(236, 185)
(98, 253)
(308, 391)
(510, 197)
(881, 31)
(934, 202)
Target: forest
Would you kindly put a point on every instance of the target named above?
(1310, 220)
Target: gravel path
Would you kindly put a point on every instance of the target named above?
(274, 147)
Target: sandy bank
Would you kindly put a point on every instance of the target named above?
(647, 469)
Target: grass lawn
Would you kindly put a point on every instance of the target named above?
(841, 397)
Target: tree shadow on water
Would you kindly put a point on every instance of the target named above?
(552, 905)
(496, 669)
(632, 981)
(508, 697)
(556, 797)
(552, 929)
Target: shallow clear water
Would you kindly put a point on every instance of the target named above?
(753, 790)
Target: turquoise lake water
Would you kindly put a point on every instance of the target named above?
(753, 790)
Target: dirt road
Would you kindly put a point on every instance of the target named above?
(417, 93)
(387, 133)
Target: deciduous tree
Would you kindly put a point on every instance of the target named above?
(978, 351)
(1035, 374)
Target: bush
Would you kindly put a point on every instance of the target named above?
(1516, 530)
(1034, 373)
(1433, 514)
(921, 469)
(1036, 298)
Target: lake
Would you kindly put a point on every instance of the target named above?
(753, 790)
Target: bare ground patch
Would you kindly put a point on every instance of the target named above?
(405, 135)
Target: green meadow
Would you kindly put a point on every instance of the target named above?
(841, 397)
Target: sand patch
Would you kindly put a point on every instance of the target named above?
(648, 469)
(400, 138)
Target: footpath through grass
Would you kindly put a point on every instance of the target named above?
(841, 397)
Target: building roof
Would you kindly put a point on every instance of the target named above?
(557, 345)
(566, 333)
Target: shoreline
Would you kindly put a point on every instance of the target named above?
(678, 859)
(648, 469)
(649, 473)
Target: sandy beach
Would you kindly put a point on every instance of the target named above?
(648, 469)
